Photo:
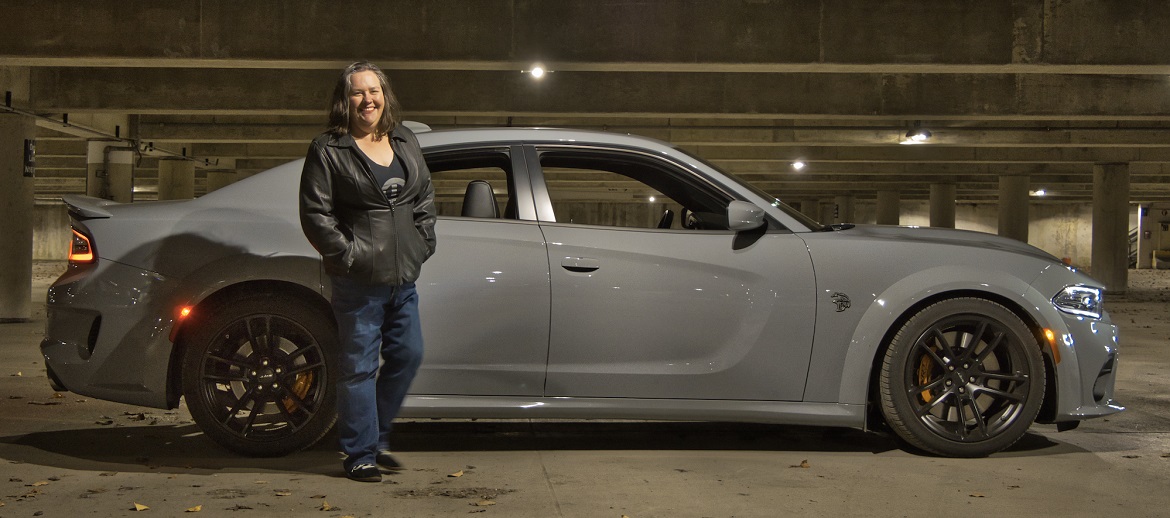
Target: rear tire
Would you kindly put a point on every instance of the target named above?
(258, 374)
(962, 378)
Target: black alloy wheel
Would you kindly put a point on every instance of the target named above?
(963, 378)
(258, 376)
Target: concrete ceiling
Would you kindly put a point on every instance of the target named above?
(1040, 88)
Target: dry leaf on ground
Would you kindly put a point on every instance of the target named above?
(325, 506)
(803, 464)
(140, 507)
(456, 474)
(978, 495)
(194, 509)
(484, 503)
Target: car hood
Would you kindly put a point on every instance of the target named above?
(947, 236)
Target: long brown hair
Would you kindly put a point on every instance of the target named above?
(339, 105)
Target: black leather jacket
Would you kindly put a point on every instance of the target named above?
(359, 233)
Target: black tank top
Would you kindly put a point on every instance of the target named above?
(386, 175)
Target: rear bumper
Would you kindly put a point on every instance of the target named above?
(106, 333)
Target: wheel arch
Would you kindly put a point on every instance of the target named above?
(1048, 407)
(222, 297)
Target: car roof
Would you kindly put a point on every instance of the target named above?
(542, 135)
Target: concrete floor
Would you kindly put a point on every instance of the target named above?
(66, 455)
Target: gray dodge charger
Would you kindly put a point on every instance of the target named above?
(586, 275)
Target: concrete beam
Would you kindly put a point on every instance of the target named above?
(220, 33)
(866, 96)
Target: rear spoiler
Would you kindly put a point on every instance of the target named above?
(416, 126)
(84, 207)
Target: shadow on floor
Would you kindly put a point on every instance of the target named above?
(184, 448)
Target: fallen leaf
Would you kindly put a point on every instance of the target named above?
(317, 496)
(14, 479)
(978, 495)
(140, 507)
(325, 506)
(456, 474)
(803, 464)
(38, 483)
(104, 423)
(284, 493)
(108, 474)
(237, 507)
(18, 373)
(58, 395)
(484, 503)
(1166, 455)
(194, 509)
(96, 490)
(1131, 456)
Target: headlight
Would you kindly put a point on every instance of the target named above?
(1082, 301)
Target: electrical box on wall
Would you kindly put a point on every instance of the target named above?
(1153, 245)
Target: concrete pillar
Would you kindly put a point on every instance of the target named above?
(1110, 258)
(16, 218)
(1013, 207)
(828, 209)
(223, 175)
(889, 207)
(176, 179)
(812, 209)
(110, 170)
(845, 211)
(942, 205)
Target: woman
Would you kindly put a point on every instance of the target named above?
(367, 206)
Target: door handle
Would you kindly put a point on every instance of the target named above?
(580, 264)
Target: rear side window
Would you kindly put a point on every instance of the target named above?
(453, 171)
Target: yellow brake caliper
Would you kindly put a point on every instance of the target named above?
(924, 371)
(300, 387)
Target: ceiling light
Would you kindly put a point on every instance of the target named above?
(537, 71)
(652, 199)
(798, 165)
(1038, 192)
(916, 135)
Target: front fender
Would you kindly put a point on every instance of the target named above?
(888, 309)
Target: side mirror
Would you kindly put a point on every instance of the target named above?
(742, 215)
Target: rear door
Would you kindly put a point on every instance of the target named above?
(484, 295)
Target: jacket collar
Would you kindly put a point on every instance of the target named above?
(348, 141)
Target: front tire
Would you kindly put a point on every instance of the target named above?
(962, 378)
(258, 374)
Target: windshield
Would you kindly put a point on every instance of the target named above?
(812, 224)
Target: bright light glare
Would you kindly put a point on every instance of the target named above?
(1039, 192)
(798, 165)
(652, 199)
(537, 72)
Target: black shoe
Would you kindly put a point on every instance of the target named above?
(387, 461)
(364, 473)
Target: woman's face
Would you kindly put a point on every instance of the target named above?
(365, 101)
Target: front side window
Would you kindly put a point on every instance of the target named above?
(627, 189)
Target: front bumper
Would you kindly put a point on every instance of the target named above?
(1087, 370)
(107, 333)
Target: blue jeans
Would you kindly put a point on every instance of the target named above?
(373, 320)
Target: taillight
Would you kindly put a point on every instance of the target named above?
(80, 250)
